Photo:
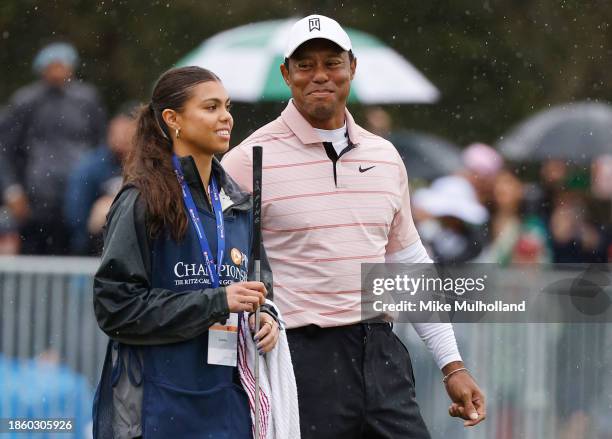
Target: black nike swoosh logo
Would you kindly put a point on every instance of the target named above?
(365, 169)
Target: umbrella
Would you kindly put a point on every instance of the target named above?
(426, 156)
(247, 60)
(574, 132)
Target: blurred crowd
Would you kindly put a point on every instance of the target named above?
(60, 168)
(60, 160)
(491, 210)
(486, 213)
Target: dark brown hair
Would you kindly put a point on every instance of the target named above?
(149, 163)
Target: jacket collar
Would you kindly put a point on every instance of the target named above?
(306, 133)
(231, 194)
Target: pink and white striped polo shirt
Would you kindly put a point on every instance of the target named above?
(316, 231)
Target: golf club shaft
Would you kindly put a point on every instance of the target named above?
(257, 159)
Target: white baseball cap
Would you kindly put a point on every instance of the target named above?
(451, 196)
(316, 26)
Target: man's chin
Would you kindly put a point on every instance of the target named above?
(322, 112)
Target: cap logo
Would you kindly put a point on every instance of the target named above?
(314, 23)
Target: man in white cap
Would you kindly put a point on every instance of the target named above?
(335, 196)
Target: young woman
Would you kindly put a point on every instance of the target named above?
(175, 263)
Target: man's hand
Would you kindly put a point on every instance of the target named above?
(468, 400)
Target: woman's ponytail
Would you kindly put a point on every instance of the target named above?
(149, 165)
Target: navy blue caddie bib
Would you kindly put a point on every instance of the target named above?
(184, 396)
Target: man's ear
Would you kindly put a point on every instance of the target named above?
(285, 73)
(170, 117)
(353, 67)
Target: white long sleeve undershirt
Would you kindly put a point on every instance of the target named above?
(438, 337)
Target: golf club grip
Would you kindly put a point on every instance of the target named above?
(257, 160)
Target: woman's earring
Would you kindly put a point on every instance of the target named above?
(178, 133)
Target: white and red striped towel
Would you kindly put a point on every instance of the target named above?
(279, 415)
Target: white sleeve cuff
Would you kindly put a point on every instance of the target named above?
(415, 253)
(440, 340)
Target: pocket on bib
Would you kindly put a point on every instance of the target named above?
(172, 412)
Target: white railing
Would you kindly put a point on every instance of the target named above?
(46, 307)
(541, 380)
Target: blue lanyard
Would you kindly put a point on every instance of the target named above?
(211, 265)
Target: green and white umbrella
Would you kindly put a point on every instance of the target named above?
(247, 60)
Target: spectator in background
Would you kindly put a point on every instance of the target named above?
(577, 229)
(45, 129)
(9, 235)
(518, 235)
(378, 121)
(482, 164)
(553, 176)
(95, 181)
(574, 237)
(601, 188)
(450, 219)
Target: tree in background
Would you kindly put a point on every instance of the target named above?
(494, 61)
